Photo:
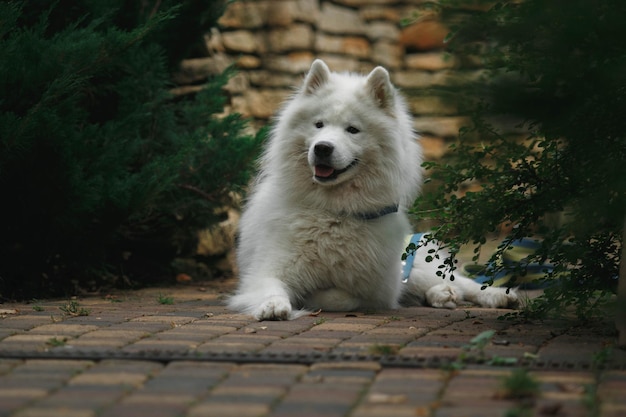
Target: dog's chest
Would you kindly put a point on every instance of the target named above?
(324, 239)
(335, 250)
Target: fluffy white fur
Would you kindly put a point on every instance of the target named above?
(342, 148)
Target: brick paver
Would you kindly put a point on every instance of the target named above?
(129, 355)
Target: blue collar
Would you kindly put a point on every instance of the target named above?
(376, 214)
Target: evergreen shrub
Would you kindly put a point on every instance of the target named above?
(103, 172)
(558, 67)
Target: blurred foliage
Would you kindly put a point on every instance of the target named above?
(106, 176)
(559, 69)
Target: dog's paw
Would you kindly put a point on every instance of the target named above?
(498, 298)
(442, 296)
(274, 308)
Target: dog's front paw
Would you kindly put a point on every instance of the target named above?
(274, 308)
(442, 296)
(498, 298)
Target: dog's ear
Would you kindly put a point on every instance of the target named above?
(379, 86)
(318, 76)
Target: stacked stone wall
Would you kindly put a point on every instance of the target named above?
(273, 42)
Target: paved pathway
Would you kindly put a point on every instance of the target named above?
(133, 354)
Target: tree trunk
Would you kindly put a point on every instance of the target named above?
(620, 316)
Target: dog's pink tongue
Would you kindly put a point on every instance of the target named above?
(323, 171)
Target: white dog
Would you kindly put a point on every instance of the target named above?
(325, 224)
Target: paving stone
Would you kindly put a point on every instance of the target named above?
(159, 399)
(324, 393)
(491, 409)
(120, 387)
(307, 409)
(614, 410)
(171, 320)
(119, 378)
(7, 365)
(66, 329)
(395, 410)
(346, 328)
(192, 369)
(155, 409)
(149, 327)
(378, 339)
(49, 369)
(573, 377)
(14, 397)
(54, 411)
(226, 409)
(179, 385)
(256, 392)
(285, 347)
(264, 375)
(144, 345)
(8, 332)
(431, 351)
(120, 373)
(90, 397)
(115, 334)
(25, 339)
(312, 340)
(26, 320)
(340, 376)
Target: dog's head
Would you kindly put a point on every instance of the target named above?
(340, 129)
(346, 138)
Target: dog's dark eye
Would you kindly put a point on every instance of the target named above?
(353, 130)
(319, 124)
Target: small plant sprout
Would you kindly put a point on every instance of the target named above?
(475, 351)
(73, 308)
(522, 388)
(383, 350)
(319, 321)
(35, 305)
(56, 342)
(519, 385)
(165, 300)
(478, 343)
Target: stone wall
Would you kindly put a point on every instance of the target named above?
(272, 44)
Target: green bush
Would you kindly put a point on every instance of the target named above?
(559, 68)
(100, 165)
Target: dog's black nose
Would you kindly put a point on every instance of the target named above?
(323, 149)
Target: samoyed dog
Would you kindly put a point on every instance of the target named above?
(325, 224)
